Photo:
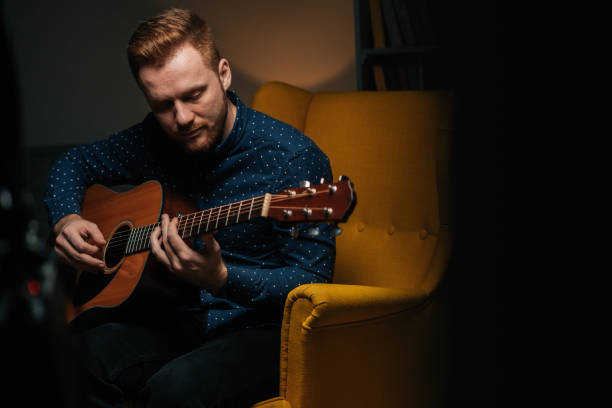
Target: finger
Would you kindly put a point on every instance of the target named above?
(74, 238)
(156, 249)
(210, 243)
(185, 256)
(81, 258)
(165, 226)
(79, 261)
(95, 233)
(179, 246)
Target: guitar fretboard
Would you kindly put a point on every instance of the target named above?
(201, 222)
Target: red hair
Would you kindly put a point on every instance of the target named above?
(154, 40)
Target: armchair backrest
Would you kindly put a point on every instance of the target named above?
(394, 147)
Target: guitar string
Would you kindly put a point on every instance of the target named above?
(119, 243)
(223, 211)
(119, 240)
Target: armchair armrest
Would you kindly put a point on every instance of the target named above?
(350, 345)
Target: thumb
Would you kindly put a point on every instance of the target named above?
(210, 242)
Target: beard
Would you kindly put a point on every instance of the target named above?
(212, 135)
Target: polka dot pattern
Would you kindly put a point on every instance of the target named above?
(260, 155)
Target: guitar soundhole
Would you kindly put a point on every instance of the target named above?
(115, 251)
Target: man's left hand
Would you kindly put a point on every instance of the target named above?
(205, 268)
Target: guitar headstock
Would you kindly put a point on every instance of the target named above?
(325, 202)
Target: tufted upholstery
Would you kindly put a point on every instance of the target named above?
(375, 337)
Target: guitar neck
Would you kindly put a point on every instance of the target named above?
(204, 221)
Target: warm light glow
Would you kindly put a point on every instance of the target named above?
(307, 44)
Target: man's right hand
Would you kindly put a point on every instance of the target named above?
(78, 241)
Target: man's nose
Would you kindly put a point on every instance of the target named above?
(183, 115)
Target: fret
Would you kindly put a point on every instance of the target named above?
(201, 213)
(251, 209)
(229, 210)
(179, 228)
(209, 215)
(238, 216)
(218, 215)
(191, 225)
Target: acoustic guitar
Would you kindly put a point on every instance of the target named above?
(134, 281)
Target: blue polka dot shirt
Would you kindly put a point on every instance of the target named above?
(260, 155)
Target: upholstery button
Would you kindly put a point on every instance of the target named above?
(360, 226)
(391, 229)
(423, 233)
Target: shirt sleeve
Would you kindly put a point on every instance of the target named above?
(116, 160)
(309, 258)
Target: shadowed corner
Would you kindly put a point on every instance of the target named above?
(36, 354)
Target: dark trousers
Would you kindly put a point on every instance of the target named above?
(173, 364)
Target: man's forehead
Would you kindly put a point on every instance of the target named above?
(185, 71)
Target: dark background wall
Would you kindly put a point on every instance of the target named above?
(74, 80)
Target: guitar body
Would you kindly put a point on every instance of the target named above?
(137, 282)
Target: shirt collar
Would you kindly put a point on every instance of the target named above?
(236, 135)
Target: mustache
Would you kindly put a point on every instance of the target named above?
(183, 130)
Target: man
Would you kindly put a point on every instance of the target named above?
(221, 349)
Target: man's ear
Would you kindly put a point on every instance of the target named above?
(225, 74)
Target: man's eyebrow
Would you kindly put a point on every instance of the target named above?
(194, 89)
(188, 92)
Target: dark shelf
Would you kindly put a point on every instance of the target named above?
(415, 67)
(404, 50)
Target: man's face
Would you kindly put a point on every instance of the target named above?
(188, 99)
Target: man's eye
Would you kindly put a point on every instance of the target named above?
(195, 96)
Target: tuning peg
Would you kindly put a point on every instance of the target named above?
(305, 183)
(337, 231)
(322, 181)
(294, 232)
(314, 231)
(342, 178)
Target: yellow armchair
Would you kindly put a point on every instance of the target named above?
(376, 336)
